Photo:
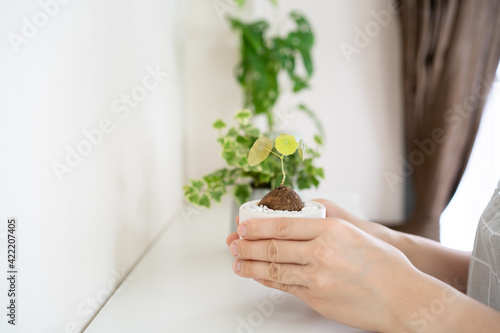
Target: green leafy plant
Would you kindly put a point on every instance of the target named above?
(242, 174)
(264, 57)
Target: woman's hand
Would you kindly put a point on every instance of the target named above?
(375, 229)
(342, 272)
(359, 273)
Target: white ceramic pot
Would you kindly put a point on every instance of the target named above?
(246, 213)
(257, 193)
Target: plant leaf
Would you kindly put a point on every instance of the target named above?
(197, 183)
(242, 161)
(318, 139)
(219, 124)
(205, 201)
(320, 172)
(242, 193)
(243, 115)
(259, 151)
(189, 190)
(302, 149)
(217, 195)
(286, 144)
(229, 156)
(194, 199)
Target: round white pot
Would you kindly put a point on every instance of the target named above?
(257, 193)
(246, 213)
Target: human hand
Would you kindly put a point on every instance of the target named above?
(375, 229)
(234, 236)
(343, 273)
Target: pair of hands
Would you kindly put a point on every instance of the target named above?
(339, 266)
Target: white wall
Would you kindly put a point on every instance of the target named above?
(359, 101)
(78, 236)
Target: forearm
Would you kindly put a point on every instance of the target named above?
(433, 306)
(430, 257)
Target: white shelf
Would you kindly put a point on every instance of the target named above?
(185, 284)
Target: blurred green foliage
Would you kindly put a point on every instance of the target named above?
(263, 58)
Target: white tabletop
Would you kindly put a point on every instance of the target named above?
(185, 284)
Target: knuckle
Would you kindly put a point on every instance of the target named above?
(333, 225)
(324, 250)
(319, 282)
(243, 249)
(309, 258)
(274, 271)
(284, 287)
(272, 251)
(246, 268)
(297, 277)
(283, 227)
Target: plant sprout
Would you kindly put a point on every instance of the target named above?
(285, 145)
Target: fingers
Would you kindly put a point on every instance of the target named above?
(231, 238)
(333, 210)
(271, 251)
(281, 228)
(298, 291)
(290, 274)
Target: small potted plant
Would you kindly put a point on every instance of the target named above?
(282, 200)
(244, 178)
(264, 58)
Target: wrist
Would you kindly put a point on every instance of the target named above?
(402, 241)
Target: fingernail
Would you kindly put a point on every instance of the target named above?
(237, 266)
(234, 249)
(242, 230)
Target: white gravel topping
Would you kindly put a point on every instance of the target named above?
(309, 207)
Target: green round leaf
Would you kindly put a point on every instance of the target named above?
(286, 144)
(302, 149)
(259, 151)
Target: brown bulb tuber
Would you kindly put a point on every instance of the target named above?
(282, 198)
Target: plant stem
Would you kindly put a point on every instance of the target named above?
(270, 121)
(283, 169)
(282, 158)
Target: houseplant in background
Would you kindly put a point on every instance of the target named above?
(263, 61)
